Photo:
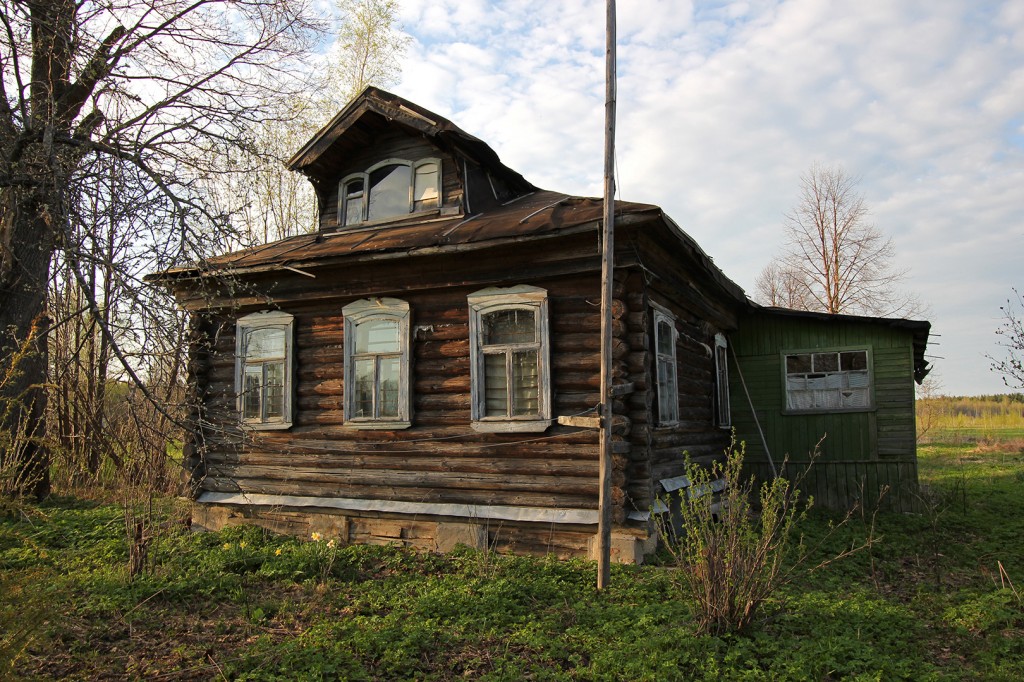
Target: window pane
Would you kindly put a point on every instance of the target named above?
(353, 197)
(525, 387)
(274, 401)
(665, 345)
(425, 193)
(798, 363)
(667, 398)
(388, 389)
(495, 386)
(362, 402)
(377, 336)
(509, 326)
(251, 392)
(826, 362)
(854, 360)
(389, 191)
(266, 342)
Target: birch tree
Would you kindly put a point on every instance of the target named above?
(162, 87)
(835, 260)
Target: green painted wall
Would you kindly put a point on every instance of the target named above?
(862, 451)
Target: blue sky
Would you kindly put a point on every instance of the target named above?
(723, 105)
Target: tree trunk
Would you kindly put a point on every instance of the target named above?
(27, 248)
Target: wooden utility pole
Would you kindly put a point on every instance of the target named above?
(604, 529)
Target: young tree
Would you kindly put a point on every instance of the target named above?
(369, 46)
(835, 260)
(1011, 335)
(163, 87)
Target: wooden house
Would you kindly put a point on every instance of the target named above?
(408, 372)
(846, 381)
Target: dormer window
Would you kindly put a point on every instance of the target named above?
(390, 189)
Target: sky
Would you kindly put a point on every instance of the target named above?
(723, 106)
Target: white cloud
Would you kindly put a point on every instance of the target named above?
(722, 106)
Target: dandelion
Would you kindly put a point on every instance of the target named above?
(316, 537)
(241, 545)
(227, 545)
(277, 552)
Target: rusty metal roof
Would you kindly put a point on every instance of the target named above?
(537, 215)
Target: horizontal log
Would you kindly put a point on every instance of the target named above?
(442, 461)
(442, 349)
(496, 497)
(403, 478)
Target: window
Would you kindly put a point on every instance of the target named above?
(377, 364)
(389, 189)
(723, 417)
(510, 374)
(263, 369)
(665, 354)
(830, 380)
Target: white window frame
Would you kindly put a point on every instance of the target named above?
(492, 300)
(672, 389)
(840, 377)
(365, 310)
(365, 199)
(263, 320)
(723, 412)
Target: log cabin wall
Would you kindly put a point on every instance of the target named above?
(440, 459)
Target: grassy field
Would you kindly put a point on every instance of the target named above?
(933, 599)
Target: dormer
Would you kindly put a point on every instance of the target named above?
(383, 160)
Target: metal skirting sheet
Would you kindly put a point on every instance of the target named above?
(469, 511)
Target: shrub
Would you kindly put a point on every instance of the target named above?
(730, 558)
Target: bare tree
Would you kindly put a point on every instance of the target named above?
(160, 86)
(1011, 334)
(835, 260)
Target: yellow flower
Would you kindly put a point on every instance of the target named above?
(277, 552)
(241, 545)
(227, 545)
(330, 543)
(316, 537)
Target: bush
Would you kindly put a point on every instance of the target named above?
(730, 558)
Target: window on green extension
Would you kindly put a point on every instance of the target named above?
(827, 381)
(263, 369)
(508, 330)
(377, 364)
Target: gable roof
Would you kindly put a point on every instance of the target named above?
(375, 110)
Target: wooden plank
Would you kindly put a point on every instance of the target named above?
(581, 422)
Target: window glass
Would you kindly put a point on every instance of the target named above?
(798, 363)
(274, 373)
(495, 385)
(425, 194)
(377, 336)
(353, 196)
(509, 326)
(389, 191)
(251, 392)
(525, 384)
(854, 360)
(364, 381)
(264, 343)
(665, 345)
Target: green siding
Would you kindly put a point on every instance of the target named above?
(862, 451)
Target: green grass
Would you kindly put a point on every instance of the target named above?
(927, 602)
